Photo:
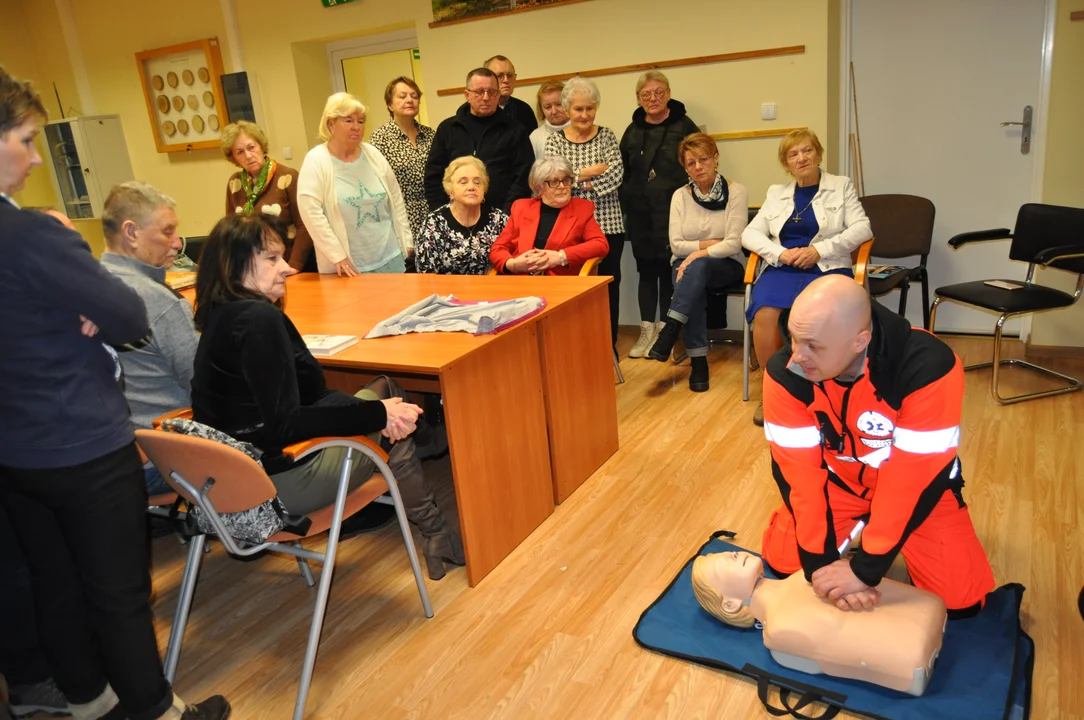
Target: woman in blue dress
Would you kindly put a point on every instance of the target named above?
(805, 229)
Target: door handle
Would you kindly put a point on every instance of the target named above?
(1025, 134)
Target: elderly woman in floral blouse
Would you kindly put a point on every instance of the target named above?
(456, 237)
(405, 143)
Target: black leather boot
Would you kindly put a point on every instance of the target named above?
(664, 343)
(440, 542)
(698, 378)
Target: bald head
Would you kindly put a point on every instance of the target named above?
(830, 327)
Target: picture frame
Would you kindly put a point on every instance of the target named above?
(182, 85)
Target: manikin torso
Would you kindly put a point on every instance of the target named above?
(894, 645)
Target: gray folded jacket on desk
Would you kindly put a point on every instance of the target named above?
(446, 314)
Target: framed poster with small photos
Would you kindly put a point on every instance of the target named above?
(183, 89)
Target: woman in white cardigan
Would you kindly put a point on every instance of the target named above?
(805, 229)
(349, 198)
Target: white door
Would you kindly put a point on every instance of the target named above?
(935, 80)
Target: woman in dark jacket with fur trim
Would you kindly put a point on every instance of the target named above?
(649, 150)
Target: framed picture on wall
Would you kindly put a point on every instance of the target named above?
(182, 85)
(448, 12)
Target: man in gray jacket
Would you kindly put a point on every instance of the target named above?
(140, 227)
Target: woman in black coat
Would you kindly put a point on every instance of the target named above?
(649, 150)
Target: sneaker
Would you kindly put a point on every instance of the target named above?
(213, 708)
(647, 335)
(758, 415)
(664, 341)
(44, 697)
(371, 517)
(698, 378)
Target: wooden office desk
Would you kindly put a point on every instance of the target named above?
(531, 412)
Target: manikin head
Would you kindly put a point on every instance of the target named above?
(723, 582)
(830, 327)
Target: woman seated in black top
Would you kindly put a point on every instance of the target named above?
(255, 380)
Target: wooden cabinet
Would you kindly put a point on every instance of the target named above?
(89, 156)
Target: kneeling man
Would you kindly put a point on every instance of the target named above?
(862, 413)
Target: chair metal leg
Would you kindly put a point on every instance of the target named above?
(903, 298)
(925, 299)
(303, 565)
(746, 342)
(933, 314)
(617, 369)
(1072, 385)
(184, 605)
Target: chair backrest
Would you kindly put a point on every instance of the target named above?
(1040, 227)
(902, 224)
(240, 483)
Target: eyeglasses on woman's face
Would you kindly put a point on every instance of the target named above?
(649, 94)
(691, 162)
(559, 182)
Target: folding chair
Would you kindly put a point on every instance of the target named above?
(219, 479)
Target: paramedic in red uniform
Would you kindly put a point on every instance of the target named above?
(862, 413)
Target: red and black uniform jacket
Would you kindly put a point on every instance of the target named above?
(890, 437)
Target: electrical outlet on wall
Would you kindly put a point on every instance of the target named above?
(287, 153)
(767, 111)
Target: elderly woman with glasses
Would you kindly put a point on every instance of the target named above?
(264, 185)
(596, 156)
(805, 228)
(551, 233)
(649, 151)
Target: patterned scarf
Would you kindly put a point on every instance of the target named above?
(716, 198)
(254, 188)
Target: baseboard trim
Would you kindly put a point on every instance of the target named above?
(1060, 351)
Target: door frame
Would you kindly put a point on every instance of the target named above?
(1038, 142)
(365, 45)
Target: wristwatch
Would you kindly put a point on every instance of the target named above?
(564, 258)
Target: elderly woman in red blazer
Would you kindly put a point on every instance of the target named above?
(551, 233)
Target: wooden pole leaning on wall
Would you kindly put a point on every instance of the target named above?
(860, 174)
(641, 67)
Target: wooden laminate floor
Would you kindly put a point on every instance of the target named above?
(549, 633)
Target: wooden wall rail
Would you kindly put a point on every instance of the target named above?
(746, 134)
(641, 67)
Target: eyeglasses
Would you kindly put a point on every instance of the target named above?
(506, 76)
(562, 182)
(484, 93)
(690, 163)
(647, 95)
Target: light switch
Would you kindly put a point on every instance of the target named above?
(287, 153)
(767, 111)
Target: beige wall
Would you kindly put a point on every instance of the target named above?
(1063, 180)
(282, 48)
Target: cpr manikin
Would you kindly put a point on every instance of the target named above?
(894, 645)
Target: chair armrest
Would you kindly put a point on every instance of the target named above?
(1062, 252)
(590, 267)
(861, 263)
(979, 236)
(300, 449)
(751, 268)
(178, 414)
(491, 271)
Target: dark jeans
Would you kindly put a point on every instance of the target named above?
(83, 530)
(21, 659)
(690, 301)
(611, 265)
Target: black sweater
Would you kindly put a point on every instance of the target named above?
(255, 380)
(499, 141)
(60, 403)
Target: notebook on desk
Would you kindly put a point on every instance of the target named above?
(324, 345)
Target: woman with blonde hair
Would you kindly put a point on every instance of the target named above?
(552, 116)
(350, 199)
(264, 185)
(805, 228)
(457, 237)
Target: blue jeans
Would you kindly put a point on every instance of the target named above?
(690, 301)
(156, 484)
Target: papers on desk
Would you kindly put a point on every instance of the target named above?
(180, 280)
(324, 345)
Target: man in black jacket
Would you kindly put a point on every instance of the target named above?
(493, 137)
(505, 71)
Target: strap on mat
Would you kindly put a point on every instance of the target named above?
(794, 698)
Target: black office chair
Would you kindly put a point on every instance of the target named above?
(903, 226)
(1046, 235)
(193, 247)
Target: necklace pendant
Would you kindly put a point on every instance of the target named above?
(796, 219)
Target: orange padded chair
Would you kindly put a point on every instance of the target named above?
(219, 479)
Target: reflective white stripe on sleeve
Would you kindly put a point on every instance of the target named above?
(927, 442)
(804, 437)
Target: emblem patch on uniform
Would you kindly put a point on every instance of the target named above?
(876, 425)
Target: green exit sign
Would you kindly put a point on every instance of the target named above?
(333, 3)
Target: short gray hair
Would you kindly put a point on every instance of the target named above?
(580, 86)
(134, 201)
(648, 77)
(545, 169)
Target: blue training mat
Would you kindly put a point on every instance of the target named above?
(984, 670)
